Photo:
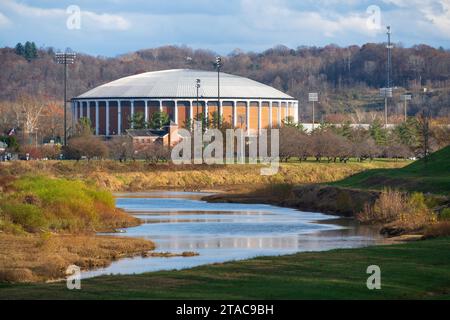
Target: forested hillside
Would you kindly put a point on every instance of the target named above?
(348, 79)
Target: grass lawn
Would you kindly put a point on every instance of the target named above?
(432, 176)
(416, 270)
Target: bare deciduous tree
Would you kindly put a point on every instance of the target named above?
(86, 146)
(121, 148)
(154, 152)
(27, 112)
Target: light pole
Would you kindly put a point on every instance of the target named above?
(406, 98)
(219, 65)
(197, 85)
(386, 93)
(389, 57)
(65, 59)
(313, 97)
(388, 84)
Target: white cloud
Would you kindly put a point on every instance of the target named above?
(224, 24)
(275, 15)
(440, 19)
(4, 21)
(90, 19)
(29, 11)
(431, 17)
(106, 21)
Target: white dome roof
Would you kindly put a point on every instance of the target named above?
(181, 83)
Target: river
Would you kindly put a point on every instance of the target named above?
(220, 232)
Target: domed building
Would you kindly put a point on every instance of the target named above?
(244, 103)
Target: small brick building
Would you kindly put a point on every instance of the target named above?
(167, 136)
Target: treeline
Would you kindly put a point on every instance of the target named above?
(85, 145)
(347, 78)
(416, 138)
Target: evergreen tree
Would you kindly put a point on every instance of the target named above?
(27, 50)
(11, 142)
(83, 128)
(137, 121)
(203, 119)
(378, 133)
(423, 121)
(30, 51)
(189, 123)
(19, 49)
(34, 51)
(159, 119)
(408, 134)
(216, 121)
(345, 130)
(289, 122)
(324, 127)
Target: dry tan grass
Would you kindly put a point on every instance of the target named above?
(43, 257)
(399, 210)
(388, 208)
(222, 176)
(441, 229)
(138, 176)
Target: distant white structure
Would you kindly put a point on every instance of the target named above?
(244, 103)
(309, 126)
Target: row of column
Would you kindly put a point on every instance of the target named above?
(291, 109)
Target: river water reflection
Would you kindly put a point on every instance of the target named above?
(219, 232)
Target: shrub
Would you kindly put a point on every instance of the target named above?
(386, 209)
(6, 225)
(33, 151)
(441, 229)
(87, 146)
(13, 275)
(445, 215)
(28, 216)
(51, 151)
(407, 211)
(59, 205)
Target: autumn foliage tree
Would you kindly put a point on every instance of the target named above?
(85, 144)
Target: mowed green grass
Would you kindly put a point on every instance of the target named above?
(432, 176)
(416, 270)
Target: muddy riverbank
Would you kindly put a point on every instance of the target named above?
(317, 198)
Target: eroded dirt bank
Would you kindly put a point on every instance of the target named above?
(316, 198)
(412, 216)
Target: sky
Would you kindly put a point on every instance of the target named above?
(114, 27)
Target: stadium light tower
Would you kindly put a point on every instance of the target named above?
(313, 97)
(218, 65)
(65, 58)
(388, 91)
(389, 58)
